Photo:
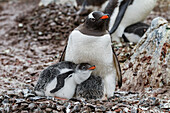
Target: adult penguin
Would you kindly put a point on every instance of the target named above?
(125, 13)
(91, 43)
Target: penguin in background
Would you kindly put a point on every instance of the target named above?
(124, 13)
(128, 13)
(134, 32)
(61, 79)
(91, 43)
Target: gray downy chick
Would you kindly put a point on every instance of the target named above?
(92, 88)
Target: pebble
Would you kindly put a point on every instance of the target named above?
(20, 25)
(32, 105)
(34, 27)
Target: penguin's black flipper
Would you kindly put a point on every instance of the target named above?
(60, 81)
(118, 69)
(63, 54)
(122, 9)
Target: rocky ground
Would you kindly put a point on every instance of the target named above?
(33, 38)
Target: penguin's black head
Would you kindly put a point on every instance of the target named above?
(96, 21)
(83, 72)
(85, 66)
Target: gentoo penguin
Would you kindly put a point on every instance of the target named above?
(91, 43)
(60, 79)
(134, 32)
(92, 88)
(126, 13)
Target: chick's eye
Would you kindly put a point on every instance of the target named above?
(92, 19)
(84, 67)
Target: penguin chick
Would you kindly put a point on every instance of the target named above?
(92, 88)
(61, 79)
(91, 43)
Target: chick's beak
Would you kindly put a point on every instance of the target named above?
(104, 17)
(92, 68)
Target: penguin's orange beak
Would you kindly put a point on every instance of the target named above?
(92, 68)
(104, 17)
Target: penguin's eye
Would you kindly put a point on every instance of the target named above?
(70, 76)
(92, 19)
(84, 67)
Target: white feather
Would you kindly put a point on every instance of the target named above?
(91, 15)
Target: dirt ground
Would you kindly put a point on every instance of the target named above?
(32, 38)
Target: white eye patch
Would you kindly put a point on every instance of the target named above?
(91, 15)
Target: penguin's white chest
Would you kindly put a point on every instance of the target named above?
(95, 50)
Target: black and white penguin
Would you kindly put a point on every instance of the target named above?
(60, 79)
(134, 32)
(127, 12)
(91, 43)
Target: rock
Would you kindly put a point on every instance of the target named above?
(24, 111)
(42, 105)
(165, 106)
(134, 109)
(31, 105)
(126, 110)
(48, 109)
(148, 59)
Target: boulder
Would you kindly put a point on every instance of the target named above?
(149, 65)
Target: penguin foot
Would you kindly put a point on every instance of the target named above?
(60, 98)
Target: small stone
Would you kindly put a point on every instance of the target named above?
(36, 98)
(118, 110)
(42, 105)
(20, 100)
(24, 111)
(126, 110)
(14, 107)
(20, 25)
(165, 106)
(38, 110)
(114, 107)
(134, 110)
(31, 106)
(48, 109)
(28, 81)
(40, 33)
(24, 104)
(7, 51)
